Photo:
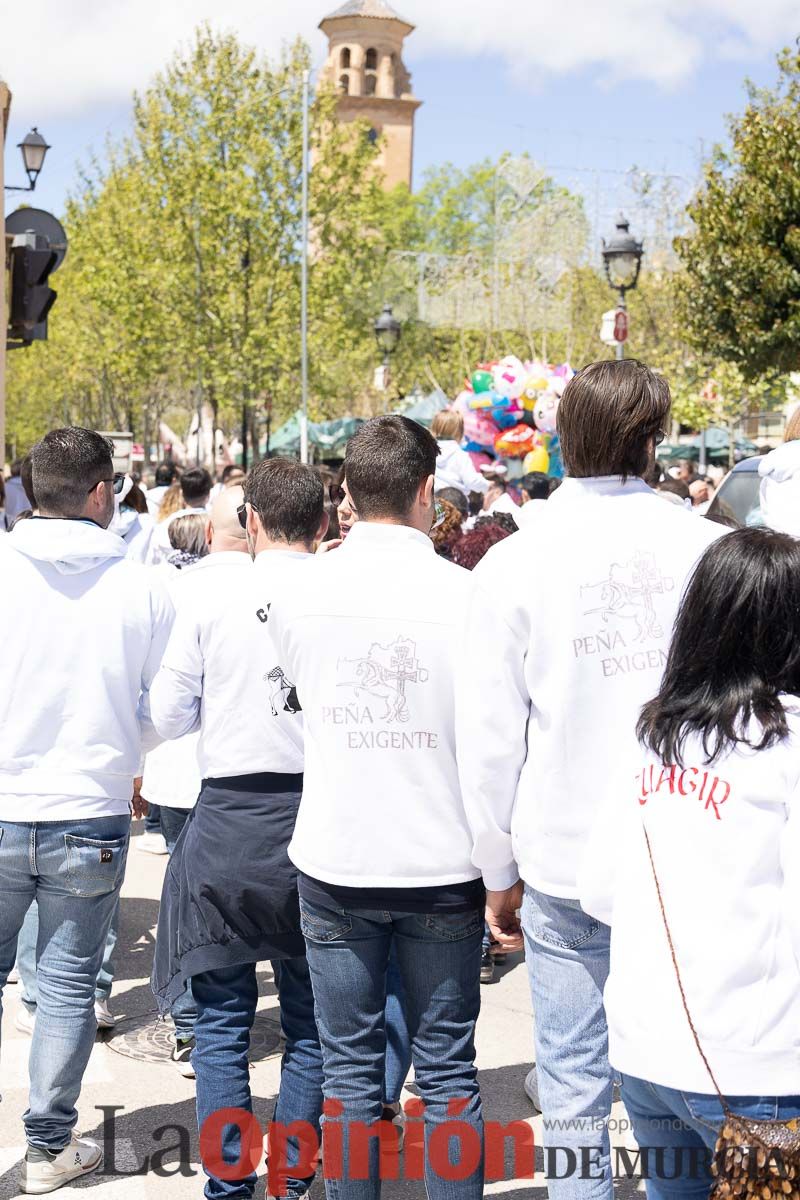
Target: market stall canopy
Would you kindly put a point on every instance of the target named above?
(328, 437)
(424, 408)
(717, 448)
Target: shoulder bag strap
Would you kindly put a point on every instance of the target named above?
(723, 1101)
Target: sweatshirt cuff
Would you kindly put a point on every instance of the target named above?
(498, 879)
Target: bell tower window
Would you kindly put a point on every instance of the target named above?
(344, 59)
(371, 59)
(344, 84)
(370, 84)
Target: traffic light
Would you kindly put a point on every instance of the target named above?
(32, 261)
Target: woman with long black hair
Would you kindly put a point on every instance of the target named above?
(698, 869)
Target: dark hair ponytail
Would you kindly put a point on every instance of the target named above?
(735, 650)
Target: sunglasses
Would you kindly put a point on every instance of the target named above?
(117, 482)
(241, 513)
(336, 494)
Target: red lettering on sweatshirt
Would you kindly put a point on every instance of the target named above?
(712, 793)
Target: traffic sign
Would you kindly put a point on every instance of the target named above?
(620, 325)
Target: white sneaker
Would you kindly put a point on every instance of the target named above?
(103, 1015)
(25, 1020)
(152, 843)
(41, 1173)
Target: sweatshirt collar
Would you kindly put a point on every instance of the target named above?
(600, 485)
(367, 535)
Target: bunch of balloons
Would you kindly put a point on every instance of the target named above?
(509, 409)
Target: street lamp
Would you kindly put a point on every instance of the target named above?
(387, 333)
(622, 258)
(34, 148)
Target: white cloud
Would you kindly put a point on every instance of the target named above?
(65, 57)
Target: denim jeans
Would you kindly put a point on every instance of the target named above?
(184, 1010)
(74, 871)
(26, 958)
(398, 1043)
(226, 1007)
(438, 956)
(152, 822)
(676, 1132)
(567, 953)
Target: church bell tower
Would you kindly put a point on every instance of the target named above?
(365, 65)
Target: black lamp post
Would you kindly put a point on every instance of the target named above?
(387, 333)
(622, 258)
(34, 149)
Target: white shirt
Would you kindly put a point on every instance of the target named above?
(567, 637)
(89, 629)
(726, 843)
(369, 634)
(219, 672)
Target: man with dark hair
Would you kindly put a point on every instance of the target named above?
(196, 487)
(534, 486)
(166, 474)
(369, 635)
(571, 665)
(230, 895)
(89, 631)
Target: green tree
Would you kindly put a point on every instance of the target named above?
(741, 302)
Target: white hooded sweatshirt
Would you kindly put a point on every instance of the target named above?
(454, 468)
(567, 636)
(86, 631)
(726, 843)
(780, 488)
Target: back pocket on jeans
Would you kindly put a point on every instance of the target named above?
(94, 867)
(323, 925)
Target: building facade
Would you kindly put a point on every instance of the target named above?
(365, 65)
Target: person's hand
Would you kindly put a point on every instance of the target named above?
(502, 919)
(139, 805)
(333, 544)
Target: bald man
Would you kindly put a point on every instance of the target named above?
(224, 532)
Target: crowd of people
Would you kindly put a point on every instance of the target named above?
(378, 769)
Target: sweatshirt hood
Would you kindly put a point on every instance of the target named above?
(72, 547)
(781, 464)
(447, 449)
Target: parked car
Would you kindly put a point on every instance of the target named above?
(738, 497)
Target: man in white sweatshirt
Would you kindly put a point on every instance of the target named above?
(89, 631)
(230, 895)
(369, 636)
(554, 674)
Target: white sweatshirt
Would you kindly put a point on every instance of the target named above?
(726, 844)
(780, 488)
(219, 673)
(370, 634)
(454, 468)
(567, 636)
(136, 530)
(86, 631)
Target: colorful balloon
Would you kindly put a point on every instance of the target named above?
(544, 414)
(537, 460)
(516, 442)
(481, 381)
(532, 391)
(480, 430)
(509, 377)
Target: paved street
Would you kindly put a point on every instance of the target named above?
(129, 1070)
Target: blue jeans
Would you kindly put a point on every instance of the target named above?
(676, 1132)
(398, 1043)
(152, 822)
(567, 953)
(74, 871)
(184, 1010)
(226, 1007)
(438, 956)
(26, 958)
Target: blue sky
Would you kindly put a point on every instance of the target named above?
(654, 95)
